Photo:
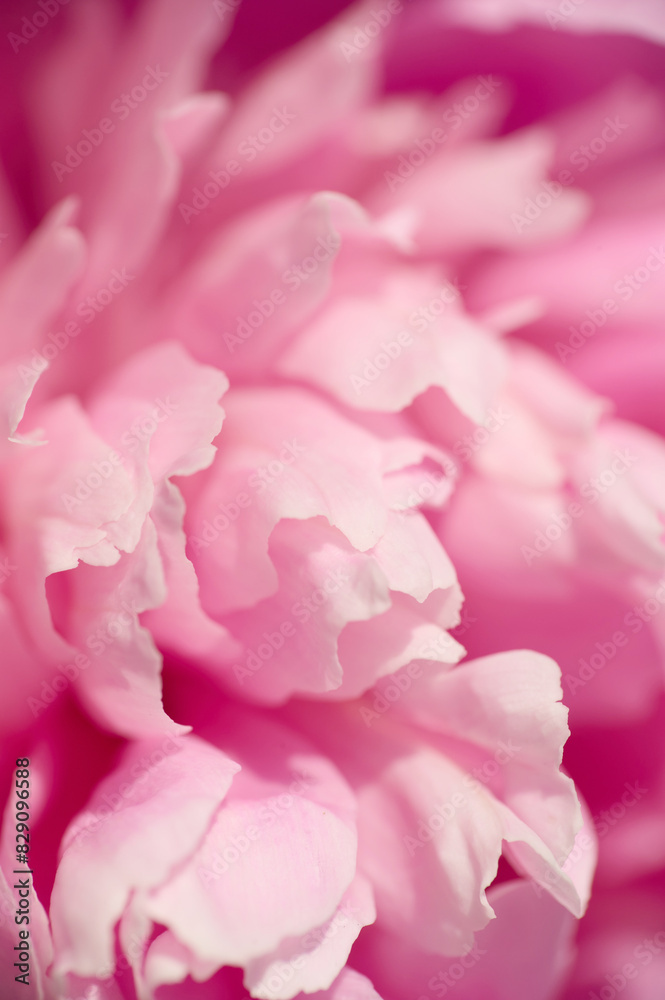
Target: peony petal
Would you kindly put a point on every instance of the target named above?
(174, 786)
(222, 906)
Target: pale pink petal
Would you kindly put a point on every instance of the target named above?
(341, 618)
(289, 813)
(17, 380)
(509, 700)
(130, 177)
(121, 684)
(52, 260)
(349, 985)
(312, 963)
(166, 401)
(488, 970)
(380, 341)
(476, 196)
(613, 272)
(174, 787)
(179, 622)
(645, 17)
(236, 304)
(621, 478)
(315, 86)
(486, 762)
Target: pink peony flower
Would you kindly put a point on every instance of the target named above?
(332, 489)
